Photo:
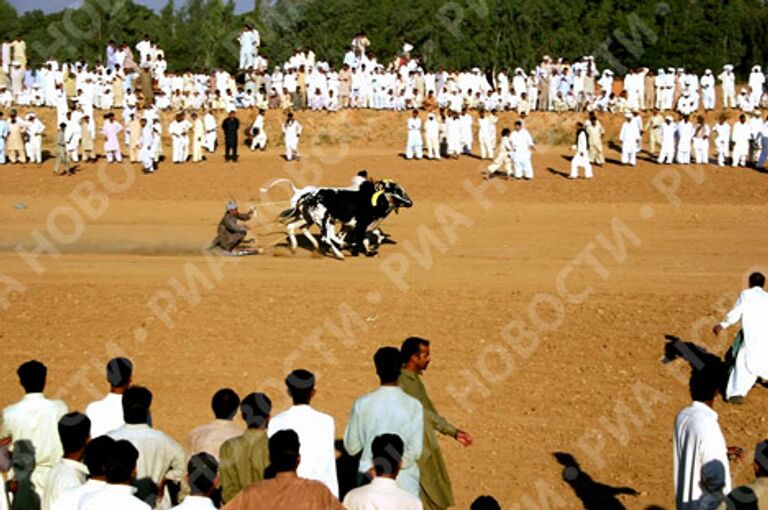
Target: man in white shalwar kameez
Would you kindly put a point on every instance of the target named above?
(698, 440)
(667, 151)
(415, 143)
(503, 156)
(740, 138)
(522, 145)
(684, 140)
(210, 131)
(728, 84)
(291, 134)
(630, 140)
(752, 357)
(486, 133)
(722, 132)
(432, 136)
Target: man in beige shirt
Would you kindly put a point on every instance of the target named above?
(209, 437)
(245, 458)
(286, 491)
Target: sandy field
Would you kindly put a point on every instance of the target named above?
(546, 302)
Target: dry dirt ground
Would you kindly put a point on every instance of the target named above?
(547, 302)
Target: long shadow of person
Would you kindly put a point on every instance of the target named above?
(593, 495)
(699, 359)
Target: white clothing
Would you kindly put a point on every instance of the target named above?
(581, 158)
(71, 498)
(292, 133)
(415, 143)
(113, 497)
(381, 494)
(106, 414)
(684, 140)
(667, 151)
(195, 503)
(752, 359)
(697, 440)
(317, 434)
(388, 410)
(630, 142)
(66, 474)
(36, 418)
(522, 143)
(160, 456)
(740, 137)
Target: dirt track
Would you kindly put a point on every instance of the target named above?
(665, 262)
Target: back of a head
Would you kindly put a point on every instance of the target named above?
(704, 384)
(388, 364)
(757, 280)
(225, 403)
(136, 403)
(412, 345)
(284, 451)
(96, 454)
(387, 452)
(121, 462)
(74, 432)
(761, 458)
(301, 384)
(255, 410)
(485, 503)
(32, 375)
(119, 372)
(202, 470)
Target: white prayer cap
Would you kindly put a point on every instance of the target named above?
(671, 69)
(728, 67)
(708, 71)
(743, 91)
(756, 113)
(407, 48)
(628, 115)
(546, 57)
(756, 69)
(661, 71)
(15, 63)
(669, 118)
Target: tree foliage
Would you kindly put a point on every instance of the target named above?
(621, 34)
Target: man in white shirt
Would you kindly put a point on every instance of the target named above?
(117, 494)
(69, 472)
(106, 414)
(414, 143)
(160, 457)
(522, 145)
(383, 493)
(208, 438)
(387, 410)
(257, 132)
(202, 477)
(698, 440)
(752, 356)
(316, 431)
(35, 419)
(95, 458)
(581, 158)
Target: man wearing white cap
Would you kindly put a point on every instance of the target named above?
(740, 138)
(701, 141)
(722, 132)
(756, 82)
(178, 130)
(708, 90)
(630, 140)
(486, 133)
(728, 84)
(667, 151)
(432, 135)
(744, 102)
(35, 130)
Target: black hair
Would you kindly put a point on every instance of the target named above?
(412, 345)
(485, 503)
(202, 469)
(757, 280)
(387, 361)
(284, 450)
(121, 462)
(136, 403)
(225, 403)
(32, 376)
(119, 372)
(301, 384)
(96, 453)
(74, 431)
(255, 409)
(387, 452)
(704, 384)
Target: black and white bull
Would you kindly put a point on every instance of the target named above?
(359, 213)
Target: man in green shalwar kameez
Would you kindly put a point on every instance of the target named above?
(435, 484)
